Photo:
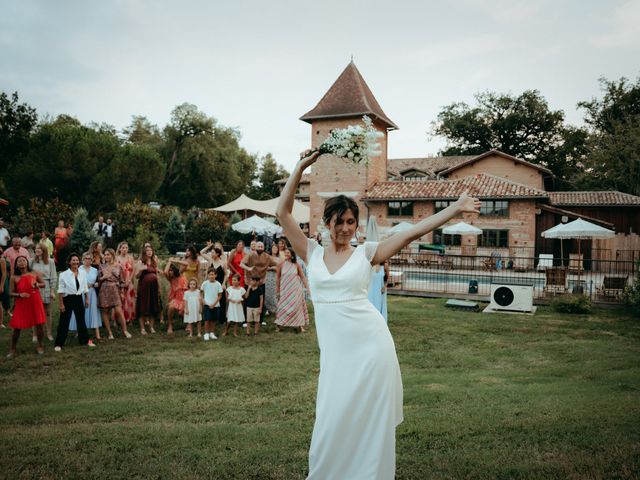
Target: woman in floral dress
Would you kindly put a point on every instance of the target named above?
(128, 290)
(110, 280)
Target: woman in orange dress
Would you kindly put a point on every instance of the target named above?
(128, 291)
(28, 310)
(61, 239)
(235, 257)
(178, 285)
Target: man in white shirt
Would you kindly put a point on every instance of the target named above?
(4, 235)
(100, 228)
(109, 233)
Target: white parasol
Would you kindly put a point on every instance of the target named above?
(578, 229)
(256, 225)
(461, 228)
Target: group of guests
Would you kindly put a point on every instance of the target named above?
(210, 291)
(103, 289)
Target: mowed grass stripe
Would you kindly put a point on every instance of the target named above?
(486, 396)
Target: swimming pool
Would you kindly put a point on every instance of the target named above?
(435, 278)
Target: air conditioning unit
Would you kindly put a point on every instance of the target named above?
(514, 298)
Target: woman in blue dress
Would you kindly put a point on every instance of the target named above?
(91, 313)
(378, 288)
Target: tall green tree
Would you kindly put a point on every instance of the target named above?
(523, 126)
(83, 233)
(613, 160)
(84, 166)
(142, 132)
(269, 171)
(205, 165)
(17, 122)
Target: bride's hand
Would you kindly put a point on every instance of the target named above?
(467, 204)
(308, 158)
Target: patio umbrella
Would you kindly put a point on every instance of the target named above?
(551, 234)
(256, 225)
(578, 229)
(461, 228)
(372, 230)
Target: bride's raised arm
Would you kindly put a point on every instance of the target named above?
(392, 245)
(289, 224)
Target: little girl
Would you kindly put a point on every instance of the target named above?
(192, 307)
(235, 293)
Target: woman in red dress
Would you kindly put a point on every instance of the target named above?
(62, 237)
(28, 310)
(234, 262)
(148, 301)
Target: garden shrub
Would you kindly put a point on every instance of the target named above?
(572, 304)
(631, 294)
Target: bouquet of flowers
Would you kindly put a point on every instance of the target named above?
(356, 142)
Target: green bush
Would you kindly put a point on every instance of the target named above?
(174, 233)
(631, 294)
(209, 225)
(572, 304)
(144, 235)
(83, 233)
(42, 215)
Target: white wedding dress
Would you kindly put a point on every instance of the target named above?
(359, 402)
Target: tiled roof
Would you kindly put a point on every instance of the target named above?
(502, 154)
(306, 178)
(349, 96)
(481, 185)
(432, 165)
(604, 198)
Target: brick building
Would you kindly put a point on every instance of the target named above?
(516, 205)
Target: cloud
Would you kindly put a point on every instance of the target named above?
(624, 30)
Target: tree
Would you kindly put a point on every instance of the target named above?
(83, 233)
(17, 122)
(613, 160)
(523, 126)
(205, 164)
(269, 173)
(174, 233)
(143, 132)
(84, 166)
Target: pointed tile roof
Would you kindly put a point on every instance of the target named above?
(349, 96)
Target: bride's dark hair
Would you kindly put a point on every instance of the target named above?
(337, 206)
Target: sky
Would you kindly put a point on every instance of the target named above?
(258, 66)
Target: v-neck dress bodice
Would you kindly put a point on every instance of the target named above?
(359, 401)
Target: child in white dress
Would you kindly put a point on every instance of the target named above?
(235, 294)
(192, 307)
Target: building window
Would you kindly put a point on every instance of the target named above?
(400, 209)
(494, 238)
(440, 205)
(440, 238)
(494, 208)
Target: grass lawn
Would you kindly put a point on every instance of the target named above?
(486, 396)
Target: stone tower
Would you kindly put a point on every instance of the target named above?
(346, 102)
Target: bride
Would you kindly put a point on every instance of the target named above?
(359, 400)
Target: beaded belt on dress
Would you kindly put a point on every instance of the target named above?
(346, 300)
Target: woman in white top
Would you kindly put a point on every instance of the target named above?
(359, 399)
(43, 264)
(72, 283)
